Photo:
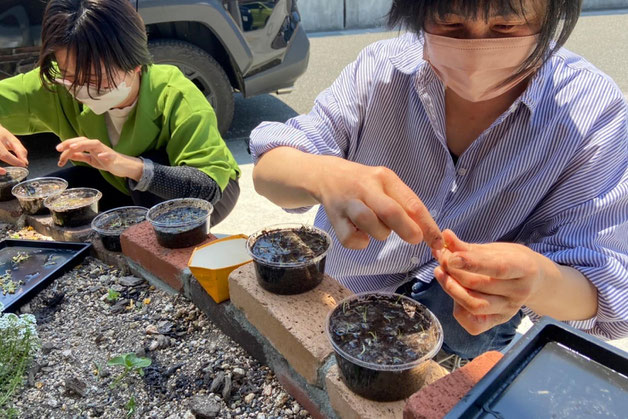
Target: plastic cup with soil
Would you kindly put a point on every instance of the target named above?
(382, 342)
(31, 194)
(12, 177)
(111, 224)
(74, 207)
(290, 258)
(181, 222)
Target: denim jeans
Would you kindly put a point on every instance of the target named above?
(456, 339)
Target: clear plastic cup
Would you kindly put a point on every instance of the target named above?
(275, 271)
(12, 177)
(181, 222)
(74, 207)
(31, 194)
(111, 224)
(383, 356)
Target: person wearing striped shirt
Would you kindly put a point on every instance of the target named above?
(474, 150)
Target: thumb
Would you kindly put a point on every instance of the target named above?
(453, 243)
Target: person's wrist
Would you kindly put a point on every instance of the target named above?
(544, 276)
(133, 168)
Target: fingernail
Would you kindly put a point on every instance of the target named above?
(438, 243)
(456, 262)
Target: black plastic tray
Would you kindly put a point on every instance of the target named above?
(48, 260)
(553, 371)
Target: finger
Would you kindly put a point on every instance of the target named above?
(82, 157)
(10, 158)
(485, 260)
(67, 143)
(473, 324)
(15, 145)
(3, 171)
(485, 284)
(475, 302)
(348, 234)
(453, 243)
(394, 218)
(365, 220)
(418, 212)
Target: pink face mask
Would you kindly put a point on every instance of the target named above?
(476, 69)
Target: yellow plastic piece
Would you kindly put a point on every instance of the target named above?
(212, 263)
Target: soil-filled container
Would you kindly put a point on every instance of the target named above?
(74, 207)
(111, 224)
(290, 258)
(382, 342)
(31, 194)
(12, 177)
(181, 222)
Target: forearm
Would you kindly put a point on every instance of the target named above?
(564, 293)
(287, 176)
(170, 182)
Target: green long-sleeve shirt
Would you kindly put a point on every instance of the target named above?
(171, 114)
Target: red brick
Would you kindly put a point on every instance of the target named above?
(139, 243)
(437, 399)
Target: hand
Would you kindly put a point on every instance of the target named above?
(11, 150)
(363, 201)
(488, 282)
(101, 157)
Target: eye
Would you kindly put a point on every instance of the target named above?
(504, 28)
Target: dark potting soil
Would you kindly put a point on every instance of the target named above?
(386, 331)
(383, 330)
(116, 223)
(289, 245)
(177, 237)
(74, 217)
(7, 182)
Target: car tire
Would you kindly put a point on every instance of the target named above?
(203, 70)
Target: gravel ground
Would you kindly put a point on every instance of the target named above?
(196, 370)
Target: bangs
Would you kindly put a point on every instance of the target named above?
(103, 37)
(475, 9)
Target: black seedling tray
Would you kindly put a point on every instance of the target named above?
(47, 261)
(553, 371)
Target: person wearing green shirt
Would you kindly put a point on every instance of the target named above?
(140, 133)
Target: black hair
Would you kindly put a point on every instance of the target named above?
(100, 33)
(559, 19)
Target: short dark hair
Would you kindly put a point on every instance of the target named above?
(107, 33)
(560, 17)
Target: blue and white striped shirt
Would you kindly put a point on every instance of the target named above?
(550, 173)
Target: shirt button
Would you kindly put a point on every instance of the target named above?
(434, 213)
(414, 260)
(462, 171)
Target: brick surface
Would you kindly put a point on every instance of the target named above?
(139, 243)
(294, 324)
(436, 400)
(43, 224)
(10, 211)
(349, 405)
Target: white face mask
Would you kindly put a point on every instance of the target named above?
(99, 104)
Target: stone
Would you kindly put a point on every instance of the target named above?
(294, 324)
(151, 329)
(160, 343)
(204, 407)
(249, 398)
(437, 399)
(217, 382)
(238, 372)
(165, 327)
(226, 389)
(75, 386)
(47, 347)
(130, 281)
